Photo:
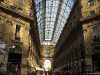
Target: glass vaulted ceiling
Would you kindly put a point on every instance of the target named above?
(51, 17)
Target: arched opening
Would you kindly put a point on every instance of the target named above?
(47, 65)
(14, 60)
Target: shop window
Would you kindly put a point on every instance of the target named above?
(91, 2)
(96, 62)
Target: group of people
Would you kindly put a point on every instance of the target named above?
(13, 68)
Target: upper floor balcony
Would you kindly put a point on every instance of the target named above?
(90, 14)
(15, 10)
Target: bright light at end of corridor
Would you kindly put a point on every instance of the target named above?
(47, 65)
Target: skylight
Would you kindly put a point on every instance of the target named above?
(51, 17)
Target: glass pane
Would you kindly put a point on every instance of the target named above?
(50, 15)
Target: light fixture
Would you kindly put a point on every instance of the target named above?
(13, 46)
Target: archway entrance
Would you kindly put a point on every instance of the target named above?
(96, 62)
(14, 60)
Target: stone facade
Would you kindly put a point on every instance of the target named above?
(15, 26)
(90, 21)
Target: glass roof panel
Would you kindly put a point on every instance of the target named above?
(51, 17)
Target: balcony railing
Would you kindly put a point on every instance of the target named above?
(90, 14)
(16, 10)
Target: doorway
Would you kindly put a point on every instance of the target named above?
(14, 60)
(96, 62)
